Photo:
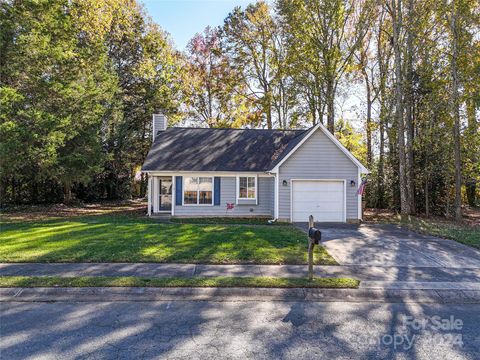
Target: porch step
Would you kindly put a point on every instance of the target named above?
(161, 217)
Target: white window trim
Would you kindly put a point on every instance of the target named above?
(238, 189)
(183, 190)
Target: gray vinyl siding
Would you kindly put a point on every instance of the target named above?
(318, 158)
(264, 207)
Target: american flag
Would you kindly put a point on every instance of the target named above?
(361, 188)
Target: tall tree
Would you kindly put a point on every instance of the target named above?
(248, 36)
(254, 42)
(367, 65)
(214, 92)
(461, 25)
(146, 67)
(409, 102)
(383, 54)
(396, 13)
(456, 108)
(328, 32)
(53, 88)
(76, 107)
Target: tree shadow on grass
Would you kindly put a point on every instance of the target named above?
(123, 239)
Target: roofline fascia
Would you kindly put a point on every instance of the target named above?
(332, 137)
(204, 171)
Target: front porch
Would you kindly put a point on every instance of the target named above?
(209, 194)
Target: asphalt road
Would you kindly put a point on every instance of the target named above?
(242, 329)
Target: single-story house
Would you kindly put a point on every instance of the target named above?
(285, 175)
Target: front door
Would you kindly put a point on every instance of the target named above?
(165, 193)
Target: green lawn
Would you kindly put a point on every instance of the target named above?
(121, 238)
(223, 281)
(465, 234)
(461, 232)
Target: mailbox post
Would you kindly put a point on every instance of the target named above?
(314, 237)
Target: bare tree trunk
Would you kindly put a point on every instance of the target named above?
(473, 154)
(409, 112)
(382, 118)
(312, 107)
(67, 193)
(268, 108)
(330, 106)
(14, 190)
(369, 118)
(427, 200)
(397, 28)
(269, 118)
(456, 113)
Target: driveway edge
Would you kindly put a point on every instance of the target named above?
(113, 294)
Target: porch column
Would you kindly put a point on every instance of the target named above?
(155, 194)
(149, 195)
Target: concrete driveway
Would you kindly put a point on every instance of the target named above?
(390, 245)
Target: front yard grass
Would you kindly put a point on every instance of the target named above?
(123, 238)
(223, 281)
(462, 232)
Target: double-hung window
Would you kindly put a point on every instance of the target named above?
(198, 191)
(247, 188)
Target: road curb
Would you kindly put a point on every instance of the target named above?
(112, 294)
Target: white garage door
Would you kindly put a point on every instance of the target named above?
(323, 199)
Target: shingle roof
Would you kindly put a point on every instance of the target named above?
(194, 149)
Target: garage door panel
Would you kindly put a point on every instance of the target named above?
(323, 216)
(318, 197)
(322, 199)
(313, 186)
(332, 205)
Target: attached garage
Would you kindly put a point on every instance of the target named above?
(324, 199)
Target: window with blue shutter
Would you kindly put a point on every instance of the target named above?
(216, 190)
(178, 190)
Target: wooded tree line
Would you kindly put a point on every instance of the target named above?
(79, 81)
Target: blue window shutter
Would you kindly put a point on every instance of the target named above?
(216, 190)
(178, 190)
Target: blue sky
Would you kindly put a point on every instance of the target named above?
(184, 18)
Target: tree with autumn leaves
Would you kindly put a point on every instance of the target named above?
(79, 81)
(214, 94)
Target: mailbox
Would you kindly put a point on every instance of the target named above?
(315, 235)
